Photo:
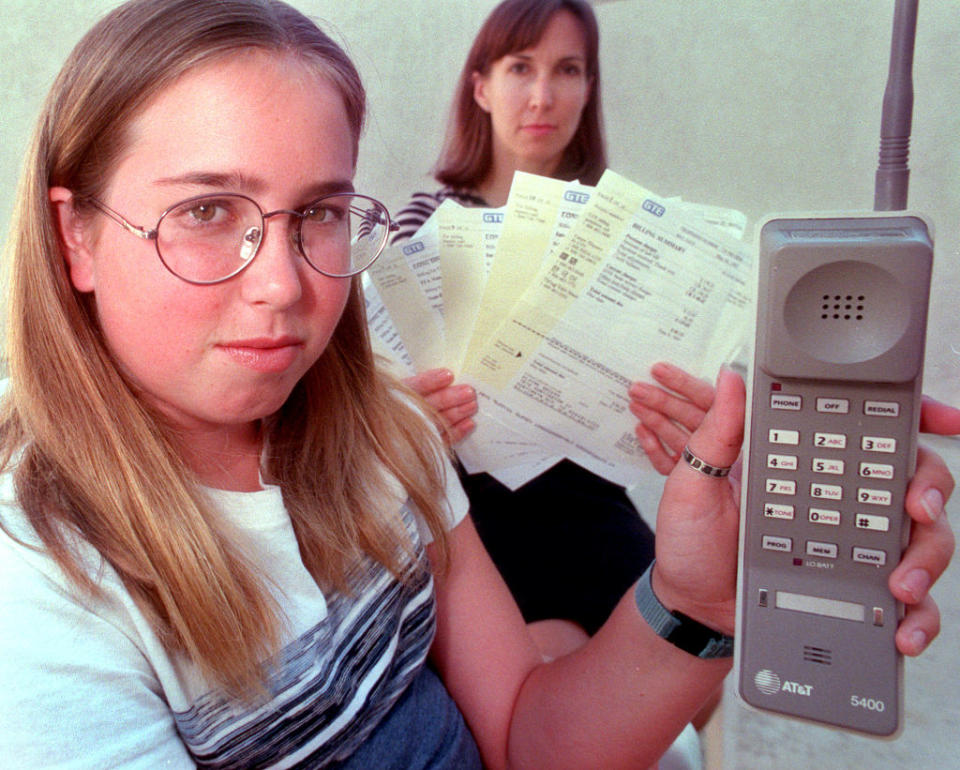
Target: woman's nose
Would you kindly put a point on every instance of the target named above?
(274, 276)
(541, 93)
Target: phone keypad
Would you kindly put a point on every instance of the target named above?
(829, 481)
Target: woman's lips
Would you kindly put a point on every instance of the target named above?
(268, 355)
(539, 129)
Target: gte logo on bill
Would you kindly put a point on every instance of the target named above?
(769, 683)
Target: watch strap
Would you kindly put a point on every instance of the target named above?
(681, 631)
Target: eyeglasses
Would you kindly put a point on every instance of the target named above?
(210, 238)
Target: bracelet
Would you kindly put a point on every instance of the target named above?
(678, 629)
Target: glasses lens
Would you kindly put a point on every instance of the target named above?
(342, 235)
(210, 238)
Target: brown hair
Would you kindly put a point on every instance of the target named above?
(91, 458)
(515, 25)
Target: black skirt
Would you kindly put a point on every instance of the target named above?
(568, 543)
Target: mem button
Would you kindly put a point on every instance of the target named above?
(826, 550)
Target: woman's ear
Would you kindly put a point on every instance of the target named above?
(479, 91)
(73, 239)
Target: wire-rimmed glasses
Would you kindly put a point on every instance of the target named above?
(209, 238)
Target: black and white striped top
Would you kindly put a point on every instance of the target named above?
(422, 204)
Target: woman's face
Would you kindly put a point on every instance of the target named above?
(217, 358)
(535, 97)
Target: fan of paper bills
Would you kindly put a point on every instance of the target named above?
(552, 305)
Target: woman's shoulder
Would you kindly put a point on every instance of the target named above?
(422, 204)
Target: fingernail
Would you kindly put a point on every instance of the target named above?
(919, 640)
(639, 391)
(932, 502)
(916, 583)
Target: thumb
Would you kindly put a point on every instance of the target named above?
(718, 439)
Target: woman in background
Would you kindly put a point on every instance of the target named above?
(528, 99)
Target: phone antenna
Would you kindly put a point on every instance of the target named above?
(893, 172)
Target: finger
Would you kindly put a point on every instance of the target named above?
(458, 412)
(919, 627)
(717, 441)
(682, 411)
(930, 488)
(937, 417)
(429, 381)
(661, 460)
(696, 390)
(923, 562)
(458, 431)
(453, 397)
(674, 437)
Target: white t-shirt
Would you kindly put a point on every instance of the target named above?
(87, 684)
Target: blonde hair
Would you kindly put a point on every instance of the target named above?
(91, 459)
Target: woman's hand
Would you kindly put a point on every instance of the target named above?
(697, 525)
(455, 405)
(928, 553)
(698, 518)
(667, 415)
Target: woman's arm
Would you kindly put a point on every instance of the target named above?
(622, 698)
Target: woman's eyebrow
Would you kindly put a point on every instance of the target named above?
(239, 182)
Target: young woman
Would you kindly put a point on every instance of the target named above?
(568, 543)
(227, 538)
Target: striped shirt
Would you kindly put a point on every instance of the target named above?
(422, 204)
(87, 683)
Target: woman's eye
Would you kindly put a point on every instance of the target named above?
(203, 212)
(519, 68)
(326, 214)
(317, 214)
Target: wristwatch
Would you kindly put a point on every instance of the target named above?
(681, 631)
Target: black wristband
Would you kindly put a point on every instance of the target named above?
(678, 629)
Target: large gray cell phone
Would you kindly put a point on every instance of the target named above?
(834, 402)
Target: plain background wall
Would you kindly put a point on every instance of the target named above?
(760, 106)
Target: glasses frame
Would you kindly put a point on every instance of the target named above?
(152, 234)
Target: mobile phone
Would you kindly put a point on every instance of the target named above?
(834, 407)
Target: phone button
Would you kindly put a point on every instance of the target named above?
(869, 556)
(825, 550)
(878, 444)
(881, 408)
(824, 516)
(833, 405)
(778, 511)
(876, 471)
(774, 543)
(830, 440)
(875, 496)
(826, 491)
(783, 462)
(825, 465)
(784, 401)
(875, 523)
(777, 436)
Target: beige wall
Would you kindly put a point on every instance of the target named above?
(758, 105)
